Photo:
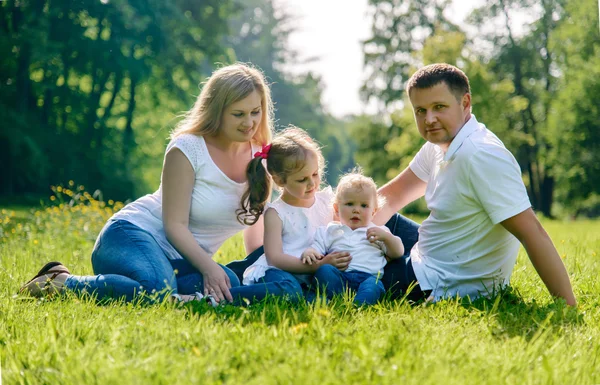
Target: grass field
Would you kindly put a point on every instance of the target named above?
(522, 337)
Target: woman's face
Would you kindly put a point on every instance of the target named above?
(241, 119)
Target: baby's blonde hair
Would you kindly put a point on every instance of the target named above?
(356, 180)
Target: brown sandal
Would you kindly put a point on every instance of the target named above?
(40, 288)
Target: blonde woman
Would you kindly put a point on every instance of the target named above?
(195, 209)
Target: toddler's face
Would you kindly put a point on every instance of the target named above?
(355, 207)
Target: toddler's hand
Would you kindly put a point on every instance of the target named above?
(375, 234)
(310, 256)
(338, 259)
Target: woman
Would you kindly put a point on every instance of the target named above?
(181, 225)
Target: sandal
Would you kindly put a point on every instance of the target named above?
(43, 284)
(208, 298)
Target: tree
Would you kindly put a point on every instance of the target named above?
(74, 74)
(400, 29)
(573, 123)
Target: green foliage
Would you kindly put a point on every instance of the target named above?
(74, 75)
(93, 90)
(400, 30)
(521, 336)
(573, 122)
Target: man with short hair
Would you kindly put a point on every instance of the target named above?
(479, 208)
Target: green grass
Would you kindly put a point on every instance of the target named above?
(522, 337)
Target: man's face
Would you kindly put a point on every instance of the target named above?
(439, 115)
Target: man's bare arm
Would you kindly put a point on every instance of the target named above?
(542, 253)
(399, 192)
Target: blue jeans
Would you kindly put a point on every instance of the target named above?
(128, 261)
(398, 275)
(275, 282)
(331, 281)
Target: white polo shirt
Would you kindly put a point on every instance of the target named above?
(463, 249)
(366, 256)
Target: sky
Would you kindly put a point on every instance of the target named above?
(332, 30)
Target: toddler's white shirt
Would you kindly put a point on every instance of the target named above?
(366, 256)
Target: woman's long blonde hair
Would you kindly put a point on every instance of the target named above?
(225, 86)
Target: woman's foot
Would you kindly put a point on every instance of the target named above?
(49, 281)
(196, 297)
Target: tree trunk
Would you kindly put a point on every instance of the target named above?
(94, 103)
(99, 139)
(128, 133)
(547, 196)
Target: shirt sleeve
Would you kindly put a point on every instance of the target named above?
(495, 178)
(421, 163)
(191, 146)
(320, 242)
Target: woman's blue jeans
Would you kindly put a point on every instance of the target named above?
(128, 261)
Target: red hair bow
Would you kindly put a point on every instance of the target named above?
(264, 152)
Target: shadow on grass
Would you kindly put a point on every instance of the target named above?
(511, 316)
(269, 311)
(274, 310)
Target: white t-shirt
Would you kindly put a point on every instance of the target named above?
(215, 198)
(463, 249)
(298, 231)
(366, 256)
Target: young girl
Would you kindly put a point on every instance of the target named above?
(294, 162)
(356, 201)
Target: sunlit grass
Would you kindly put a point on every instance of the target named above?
(522, 337)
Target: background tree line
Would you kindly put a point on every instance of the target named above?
(91, 89)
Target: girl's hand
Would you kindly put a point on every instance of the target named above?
(310, 256)
(338, 259)
(216, 283)
(375, 234)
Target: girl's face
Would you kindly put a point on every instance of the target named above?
(241, 119)
(355, 207)
(300, 187)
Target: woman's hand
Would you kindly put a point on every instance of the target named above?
(216, 283)
(338, 259)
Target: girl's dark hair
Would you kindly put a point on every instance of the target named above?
(289, 150)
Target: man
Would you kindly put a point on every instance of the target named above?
(479, 209)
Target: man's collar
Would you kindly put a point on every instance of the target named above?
(467, 129)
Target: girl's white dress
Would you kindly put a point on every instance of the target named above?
(299, 227)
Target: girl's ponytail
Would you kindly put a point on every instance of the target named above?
(256, 195)
(286, 154)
